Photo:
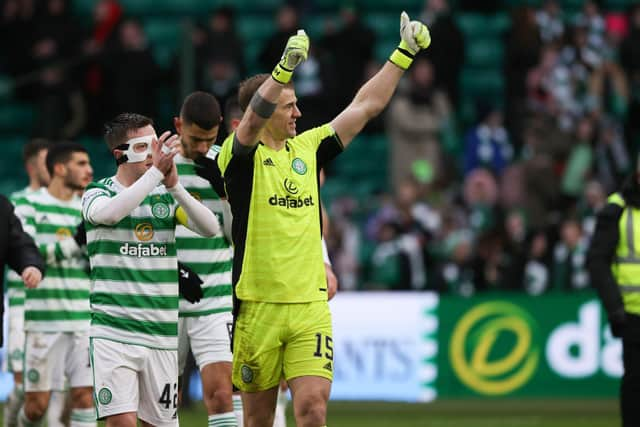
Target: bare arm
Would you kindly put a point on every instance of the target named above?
(370, 100)
(265, 99)
(252, 123)
(374, 96)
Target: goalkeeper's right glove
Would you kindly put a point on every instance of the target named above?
(189, 284)
(414, 37)
(294, 54)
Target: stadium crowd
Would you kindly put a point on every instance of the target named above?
(482, 192)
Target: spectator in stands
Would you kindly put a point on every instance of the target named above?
(593, 200)
(630, 61)
(608, 90)
(60, 105)
(536, 271)
(134, 85)
(550, 23)
(612, 161)
(220, 40)
(579, 162)
(522, 52)
(591, 19)
(569, 269)
(351, 46)
(515, 248)
(100, 43)
(448, 57)
(286, 25)
(487, 144)
(414, 121)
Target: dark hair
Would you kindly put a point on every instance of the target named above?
(32, 148)
(249, 87)
(117, 130)
(61, 153)
(201, 109)
(232, 108)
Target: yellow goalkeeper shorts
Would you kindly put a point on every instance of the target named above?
(273, 340)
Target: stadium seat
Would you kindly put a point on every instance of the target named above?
(482, 82)
(315, 24)
(16, 117)
(480, 25)
(385, 25)
(165, 36)
(255, 27)
(484, 52)
(384, 48)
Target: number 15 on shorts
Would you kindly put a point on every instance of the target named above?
(324, 346)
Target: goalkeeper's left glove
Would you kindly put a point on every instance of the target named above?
(414, 37)
(189, 284)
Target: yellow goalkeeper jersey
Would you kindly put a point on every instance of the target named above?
(276, 228)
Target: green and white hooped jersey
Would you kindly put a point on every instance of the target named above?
(210, 257)
(60, 303)
(134, 270)
(15, 287)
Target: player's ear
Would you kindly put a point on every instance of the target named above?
(117, 153)
(177, 123)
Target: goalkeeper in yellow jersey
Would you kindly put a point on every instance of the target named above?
(282, 323)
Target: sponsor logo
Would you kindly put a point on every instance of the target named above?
(328, 367)
(268, 162)
(16, 355)
(160, 210)
(246, 373)
(290, 186)
(291, 202)
(493, 349)
(299, 166)
(141, 250)
(63, 233)
(33, 375)
(196, 195)
(104, 396)
(144, 231)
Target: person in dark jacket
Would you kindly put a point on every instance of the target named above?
(17, 250)
(613, 263)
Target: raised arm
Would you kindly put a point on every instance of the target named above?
(375, 94)
(264, 101)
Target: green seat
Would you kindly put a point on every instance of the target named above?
(482, 82)
(484, 52)
(617, 5)
(165, 36)
(385, 25)
(83, 8)
(141, 7)
(255, 27)
(315, 25)
(17, 117)
(412, 7)
(480, 25)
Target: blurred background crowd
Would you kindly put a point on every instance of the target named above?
(484, 173)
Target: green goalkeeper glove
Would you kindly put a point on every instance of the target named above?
(414, 37)
(294, 54)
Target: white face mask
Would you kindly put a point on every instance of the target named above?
(136, 157)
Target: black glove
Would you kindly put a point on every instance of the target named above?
(189, 284)
(208, 169)
(617, 322)
(80, 235)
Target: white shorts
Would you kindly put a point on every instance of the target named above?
(134, 378)
(53, 357)
(15, 340)
(208, 337)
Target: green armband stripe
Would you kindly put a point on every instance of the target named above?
(401, 58)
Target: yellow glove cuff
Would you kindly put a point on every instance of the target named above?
(401, 57)
(281, 74)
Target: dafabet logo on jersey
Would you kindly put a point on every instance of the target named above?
(143, 232)
(493, 348)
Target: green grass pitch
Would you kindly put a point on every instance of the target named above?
(461, 413)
